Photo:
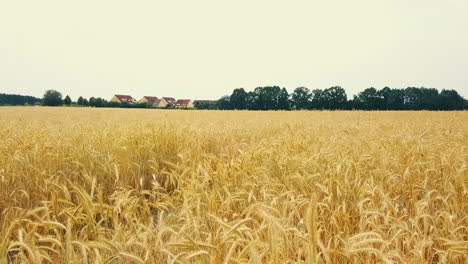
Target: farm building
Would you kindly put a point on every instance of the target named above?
(183, 103)
(148, 99)
(170, 100)
(164, 102)
(160, 103)
(118, 98)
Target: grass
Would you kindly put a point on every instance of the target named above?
(85, 185)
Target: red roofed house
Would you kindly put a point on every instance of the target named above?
(169, 100)
(148, 99)
(118, 98)
(160, 103)
(182, 103)
(164, 102)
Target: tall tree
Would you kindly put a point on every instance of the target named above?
(450, 100)
(283, 100)
(317, 99)
(252, 101)
(100, 102)
(412, 98)
(238, 99)
(224, 103)
(370, 99)
(270, 98)
(80, 100)
(335, 98)
(92, 102)
(301, 98)
(385, 96)
(429, 98)
(67, 100)
(52, 98)
(392, 99)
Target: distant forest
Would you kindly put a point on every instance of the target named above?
(15, 99)
(335, 98)
(277, 98)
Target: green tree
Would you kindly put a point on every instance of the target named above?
(252, 101)
(67, 100)
(412, 98)
(396, 99)
(393, 99)
(238, 99)
(52, 98)
(92, 102)
(334, 98)
(450, 100)
(429, 98)
(317, 99)
(370, 99)
(269, 98)
(301, 98)
(80, 100)
(420, 98)
(100, 102)
(85, 102)
(283, 100)
(15, 99)
(224, 103)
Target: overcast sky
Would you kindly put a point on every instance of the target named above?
(203, 49)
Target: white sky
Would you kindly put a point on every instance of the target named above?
(204, 49)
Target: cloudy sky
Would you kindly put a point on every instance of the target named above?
(203, 49)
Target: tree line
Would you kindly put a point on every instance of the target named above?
(335, 98)
(277, 98)
(15, 99)
(54, 98)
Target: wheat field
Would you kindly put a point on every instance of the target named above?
(88, 185)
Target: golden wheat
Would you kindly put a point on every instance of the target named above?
(84, 185)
